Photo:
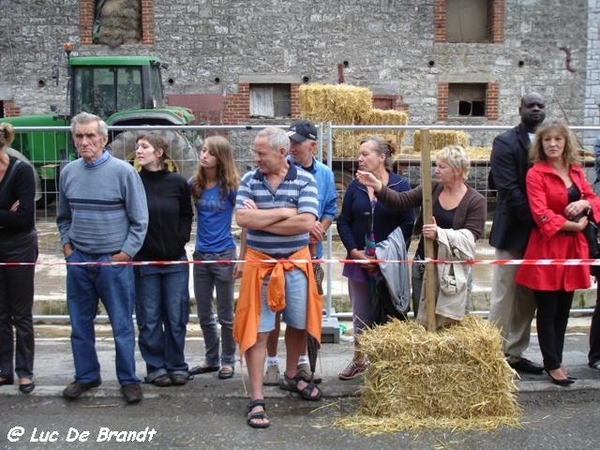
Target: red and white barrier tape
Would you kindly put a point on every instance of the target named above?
(471, 262)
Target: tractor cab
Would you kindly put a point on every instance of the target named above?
(107, 85)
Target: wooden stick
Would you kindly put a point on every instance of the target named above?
(429, 284)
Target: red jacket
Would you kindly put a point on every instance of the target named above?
(547, 197)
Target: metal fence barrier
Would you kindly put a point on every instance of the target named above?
(337, 147)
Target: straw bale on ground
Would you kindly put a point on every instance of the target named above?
(456, 378)
(439, 139)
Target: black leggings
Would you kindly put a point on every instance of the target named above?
(552, 317)
(16, 305)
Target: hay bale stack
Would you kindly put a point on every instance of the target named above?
(474, 153)
(439, 139)
(456, 378)
(386, 117)
(349, 105)
(587, 154)
(347, 142)
(339, 103)
(479, 153)
(120, 23)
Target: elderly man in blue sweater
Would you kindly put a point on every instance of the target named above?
(102, 218)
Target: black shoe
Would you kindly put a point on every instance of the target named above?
(132, 393)
(179, 379)
(562, 382)
(76, 388)
(226, 372)
(526, 366)
(203, 369)
(7, 381)
(27, 388)
(162, 380)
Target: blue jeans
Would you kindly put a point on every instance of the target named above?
(207, 278)
(162, 303)
(296, 294)
(113, 284)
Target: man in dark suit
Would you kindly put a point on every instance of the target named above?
(512, 306)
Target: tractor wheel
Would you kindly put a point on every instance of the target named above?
(182, 155)
(342, 181)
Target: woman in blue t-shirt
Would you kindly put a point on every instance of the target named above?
(214, 188)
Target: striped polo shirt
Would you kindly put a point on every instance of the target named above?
(297, 190)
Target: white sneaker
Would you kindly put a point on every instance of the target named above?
(271, 376)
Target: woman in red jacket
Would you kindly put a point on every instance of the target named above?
(560, 200)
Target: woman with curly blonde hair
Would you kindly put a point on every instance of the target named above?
(457, 222)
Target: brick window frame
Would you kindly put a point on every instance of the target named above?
(495, 22)
(10, 108)
(86, 21)
(237, 105)
(491, 102)
(270, 100)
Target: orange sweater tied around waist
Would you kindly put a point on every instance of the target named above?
(247, 311)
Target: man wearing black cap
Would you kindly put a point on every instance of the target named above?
(303, 143)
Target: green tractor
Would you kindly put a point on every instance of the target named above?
(124, 91)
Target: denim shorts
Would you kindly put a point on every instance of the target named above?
(294, 313)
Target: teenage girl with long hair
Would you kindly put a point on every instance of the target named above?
(214, 188)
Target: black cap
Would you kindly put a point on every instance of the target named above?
(302, 130)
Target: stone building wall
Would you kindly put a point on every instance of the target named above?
(592, 91)
(387, 45)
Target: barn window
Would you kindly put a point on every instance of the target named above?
(466, 99)
(270, 100)
(464, 21)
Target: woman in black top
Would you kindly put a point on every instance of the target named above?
(161, 290)
(18, 244)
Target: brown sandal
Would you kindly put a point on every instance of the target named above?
(253, 417)
(307, 392)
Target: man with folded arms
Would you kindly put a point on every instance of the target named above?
(277, 204)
